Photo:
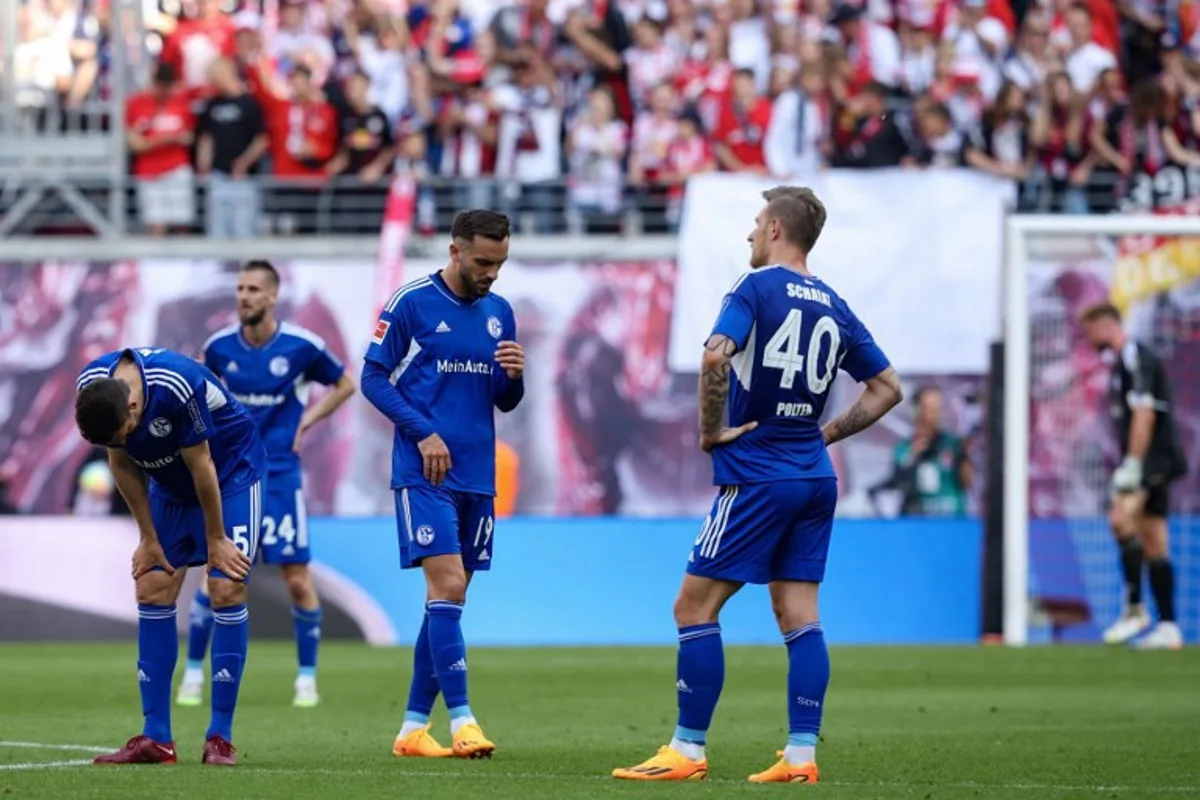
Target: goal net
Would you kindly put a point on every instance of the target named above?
(1061, 571)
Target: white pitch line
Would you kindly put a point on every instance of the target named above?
(78, 748)
(487, 774)
(45, 765)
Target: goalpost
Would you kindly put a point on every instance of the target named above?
(1061, 577)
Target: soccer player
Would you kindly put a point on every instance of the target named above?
(779, 340)
(190, 464)
(444, 355)
(1152, 458)
(269, 366)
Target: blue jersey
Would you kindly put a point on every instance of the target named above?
(793, 333)
(272, 382)
(185, 404)
(440, 353)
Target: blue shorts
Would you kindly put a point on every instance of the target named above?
(284, 538)
(436, 521)
(180, 526)
(763, 532)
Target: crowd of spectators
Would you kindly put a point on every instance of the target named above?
(573, 112)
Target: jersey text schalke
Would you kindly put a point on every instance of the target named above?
(793, 333)
(440, 351)
(272, 382)
(184, 405)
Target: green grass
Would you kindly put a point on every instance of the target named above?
(900, 723)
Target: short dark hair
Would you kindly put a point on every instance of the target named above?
(262, 265)
(102, 409)
(800, 213)
(479, 222)
(1098, 311)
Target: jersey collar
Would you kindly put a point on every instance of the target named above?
(141, 365)
(270, 340)
(439, 283)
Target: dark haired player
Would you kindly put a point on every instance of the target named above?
(269, 366)
(444, 355)
(776, 348)
(1152, 459)
(190, 465)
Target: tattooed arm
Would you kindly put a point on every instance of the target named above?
(881, 394)
(714, 389)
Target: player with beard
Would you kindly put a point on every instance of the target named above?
(269, 366)
(1139, 400)
(443, 357)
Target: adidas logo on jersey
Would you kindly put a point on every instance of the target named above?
(223, 677)
(442, 327)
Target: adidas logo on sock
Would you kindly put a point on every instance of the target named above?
(442, 327)
(223, 677)
(682, 686)
(459, 666)
(143, 677)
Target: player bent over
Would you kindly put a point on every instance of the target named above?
(775, 350)
(1152, 459)
(444, 356)
(190, 465)
(269, 365)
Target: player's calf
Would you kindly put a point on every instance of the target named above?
(231, 640)
(306, 618)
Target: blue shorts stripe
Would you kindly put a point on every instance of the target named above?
(722, 522)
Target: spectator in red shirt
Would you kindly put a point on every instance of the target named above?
(196, 43)
(303, 131)
(742, 127)
(159, 128)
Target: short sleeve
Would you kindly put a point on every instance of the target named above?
(325, 368)
(736, 318)
(391, 338)
(194, 417)
(863, 359)
(209, 358)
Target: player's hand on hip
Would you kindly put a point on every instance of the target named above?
(725, 436)
(436, 457)
(147, 556)
(301, 429)
(223, 555)
(511, 356)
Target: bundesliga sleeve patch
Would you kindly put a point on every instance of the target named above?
(381, 329)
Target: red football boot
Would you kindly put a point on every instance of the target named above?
(140, 749)
(219, 752)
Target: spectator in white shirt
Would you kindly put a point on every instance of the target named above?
(796, 135)
(596, 145)
(1028, 65)
(1086, 59)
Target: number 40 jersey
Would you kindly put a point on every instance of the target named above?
(793, 333)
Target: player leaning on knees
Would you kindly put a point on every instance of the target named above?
(443, 356)
(779, 340)
(269, 366)
(191, 466)
(1152, 458)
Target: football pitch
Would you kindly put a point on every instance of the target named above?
(1082, 722)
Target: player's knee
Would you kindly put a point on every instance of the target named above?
(448, 586)
(225, 593)
(157, 588)
(692, 610)
(299, 585)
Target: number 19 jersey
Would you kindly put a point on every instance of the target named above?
(793, 333)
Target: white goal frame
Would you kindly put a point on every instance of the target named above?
(1017, 354)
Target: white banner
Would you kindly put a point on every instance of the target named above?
(917, 255)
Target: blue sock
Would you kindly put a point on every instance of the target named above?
(231, 639)
(158, 650)
(449, 654)
(199, 630)
(700, 674)
(808, 678)
(308, 638)
(423, 691)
